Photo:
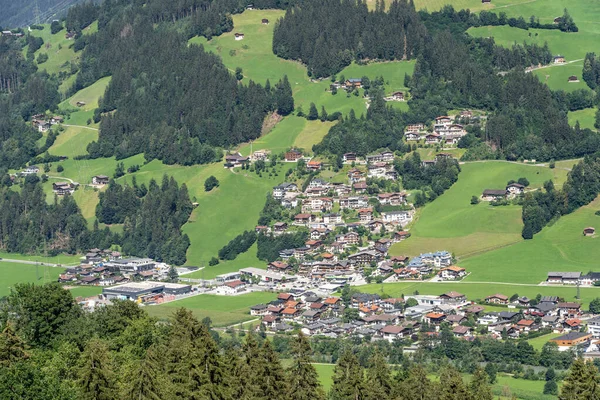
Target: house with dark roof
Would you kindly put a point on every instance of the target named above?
(493, 194)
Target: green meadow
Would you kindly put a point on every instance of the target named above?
(12, 273)
(559, 247)
(255, 56)
(222, 310)
(586, 117)
(540, 341)
(452, 223)
(73, 141)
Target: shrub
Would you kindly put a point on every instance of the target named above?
(210, 183)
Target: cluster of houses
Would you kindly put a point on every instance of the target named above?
(391, 319)
(510, 191)
(445, 131)
(108, 267)
(42, 123)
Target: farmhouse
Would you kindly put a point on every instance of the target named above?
(353, 83)
(493, 194)
(385, 156)
(279, 191)
(411, 136)
(313, 165)
(239, 36)
(452, 272)
(414, 128)
(453, 297)
(57, 119)
(235, 160)
(304, 219)
(394, 199)
(349, 157)
(432, 138)
(32, 169)
(565, 278)
(559, 59)
(515, 188)
(62, 188)
(100, 180)
(497, 299)
(397, 96)
(589, 231)
(292, 155)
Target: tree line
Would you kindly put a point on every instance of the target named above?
(152, 218)
(328, 35)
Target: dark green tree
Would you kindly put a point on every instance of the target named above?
(302, 376)
(348, 378)
(210, 183)
(96, 377)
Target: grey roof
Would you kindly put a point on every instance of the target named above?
(494, 192)
(545, 306)
(507, 314)
(312, 327)
(258, 307)
(553, 318)
(567, 275)
(548, 298)
(311, 313)
(572, 336)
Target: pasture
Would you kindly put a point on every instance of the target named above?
(586, 118)
(73, 141)
(12, 273)
(222, 310)
(451, 223)
(560, 247)
(255, 56)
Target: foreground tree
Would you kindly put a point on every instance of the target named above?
(581, 382)
(303, 378)
(96, 379)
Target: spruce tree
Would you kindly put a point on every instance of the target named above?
(96, 379)
(379, 381)
(271, 376)
(348, 378)
(417, 386)
(581, 382)
(313, 114)
(148, 381)
(479, 387)
(12, 347)
(283, 97)
(302, 376)
(452, 386)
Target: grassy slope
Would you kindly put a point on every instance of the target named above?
(452, 223)
(560, 247)
(73, 141)
(222, 310)
(255, 56)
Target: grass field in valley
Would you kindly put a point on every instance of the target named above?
(13, 273)
(255, 56)
(451, 223)
(222, 310)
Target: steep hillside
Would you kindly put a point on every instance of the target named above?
(22, 13)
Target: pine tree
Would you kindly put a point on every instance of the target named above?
(452, 386)
(348, 378)
(581, 382)
(12, 347)
(148, 381)
(96, 380)
(417, 386)
(271, 376)
(313, 114)
(379, 381)
(283, 97)
(302, 376)
(479, 387)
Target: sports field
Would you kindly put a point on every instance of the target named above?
(222, 310)
(452, 223)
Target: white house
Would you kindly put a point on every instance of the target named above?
(397, 216)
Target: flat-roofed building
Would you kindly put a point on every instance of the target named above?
(135, 290)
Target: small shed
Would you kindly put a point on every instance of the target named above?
(265, 21)
(239, 36)
(589, 231)
(573, 78)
